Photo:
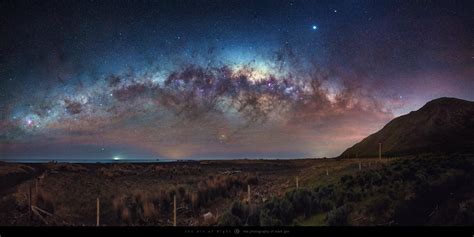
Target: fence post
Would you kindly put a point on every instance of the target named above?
(360, 166)
(36, 191)
(297, 183)
(98, 212)
(174, 210)
(29, 200)
(248, 193)
(327, 172)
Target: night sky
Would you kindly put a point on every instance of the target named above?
(221, 79)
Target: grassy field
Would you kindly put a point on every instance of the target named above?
(331, 192)
(314, 220)
(423, 190)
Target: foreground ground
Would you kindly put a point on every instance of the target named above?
(410, 190)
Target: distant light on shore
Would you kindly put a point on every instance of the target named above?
(116, 158)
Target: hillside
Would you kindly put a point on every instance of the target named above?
(444, 125)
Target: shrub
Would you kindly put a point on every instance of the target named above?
(301, 201)
(266, 219)
(118, 204)
(252, 180)
(181, 192)
(379, 205)
(270, 204)
(338, 216)
(315, 205)
(228, 219)
(285, 211)
(326, 191)
(347, 180)
(138, 208)
(406, 173)
(195, 201)
(377, 179)
(164, 201)
(148, 209)
(137, 196)
(326, 204)
(45, 201)
(352, 196)
(254, 217)
(465, 213)
(239, 210)
(125, 216)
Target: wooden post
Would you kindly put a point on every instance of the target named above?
(29, 200)
(174, 210)
(380, 150)
(360, 166)
(248, 193)
(297, 184)
(98, 212)
(327, 172)
(36, 191)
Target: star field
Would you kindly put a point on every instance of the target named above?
(220, 79)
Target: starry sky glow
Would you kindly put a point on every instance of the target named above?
(221, 79)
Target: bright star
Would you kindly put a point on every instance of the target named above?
(116, 158)
(315, 27)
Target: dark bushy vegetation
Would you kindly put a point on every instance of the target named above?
(240, 214)
(338, 216)
(406, 192)
(228, 219)
(143, 207)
